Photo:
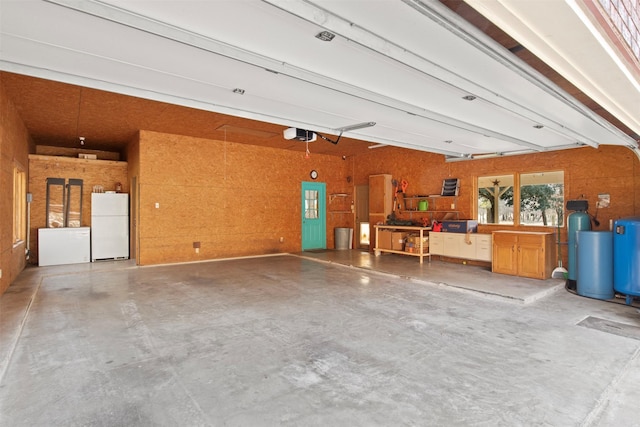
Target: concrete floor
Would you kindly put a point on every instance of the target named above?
(327, 338)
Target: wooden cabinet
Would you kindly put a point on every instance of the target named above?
(380, 201)
(471, 246)
(527, 254)
(380, 195)
(504, 253)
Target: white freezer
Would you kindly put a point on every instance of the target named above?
(64, 245)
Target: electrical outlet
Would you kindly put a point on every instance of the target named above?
(0, 273)
(281, 239)
(453, 205)
(157, 205)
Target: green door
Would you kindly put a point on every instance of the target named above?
(314, 225)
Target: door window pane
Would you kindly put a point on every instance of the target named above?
(495, 199)
(542, 198)
(311, 204)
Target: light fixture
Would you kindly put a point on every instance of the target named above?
(357, 126)
(325, 36)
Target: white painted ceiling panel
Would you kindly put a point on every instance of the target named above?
(567, 36)
(403, 64)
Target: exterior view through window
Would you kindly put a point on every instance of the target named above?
(542, 198)
(494, 192)
(539, 199)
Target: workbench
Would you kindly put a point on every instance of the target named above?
(421, 230)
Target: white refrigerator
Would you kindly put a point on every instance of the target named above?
(109, 226)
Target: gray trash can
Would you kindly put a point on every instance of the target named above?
(343, 238)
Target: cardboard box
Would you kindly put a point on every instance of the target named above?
(413, 244)
(398, 240)
(415, 239)
(460, 226)
(414, 248)
(384, 239)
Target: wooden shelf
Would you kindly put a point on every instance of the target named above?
(341, 207)
(334, 195)
(413, 209)
(427, 211)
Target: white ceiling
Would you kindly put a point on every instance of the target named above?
(568, 36)
(405, 65)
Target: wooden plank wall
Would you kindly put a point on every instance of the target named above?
(231, 199)
(15, 144)
(93, 172)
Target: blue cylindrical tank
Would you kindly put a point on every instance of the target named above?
(576, 221)
(626, 257)
(595, 264)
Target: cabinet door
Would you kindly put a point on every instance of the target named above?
(483, 248)
(451, 244)
(467, 246)
(380, 195)
(531, 256)
(504, 253)
(436, 241)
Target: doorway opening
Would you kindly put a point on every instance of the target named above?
(362, 217)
